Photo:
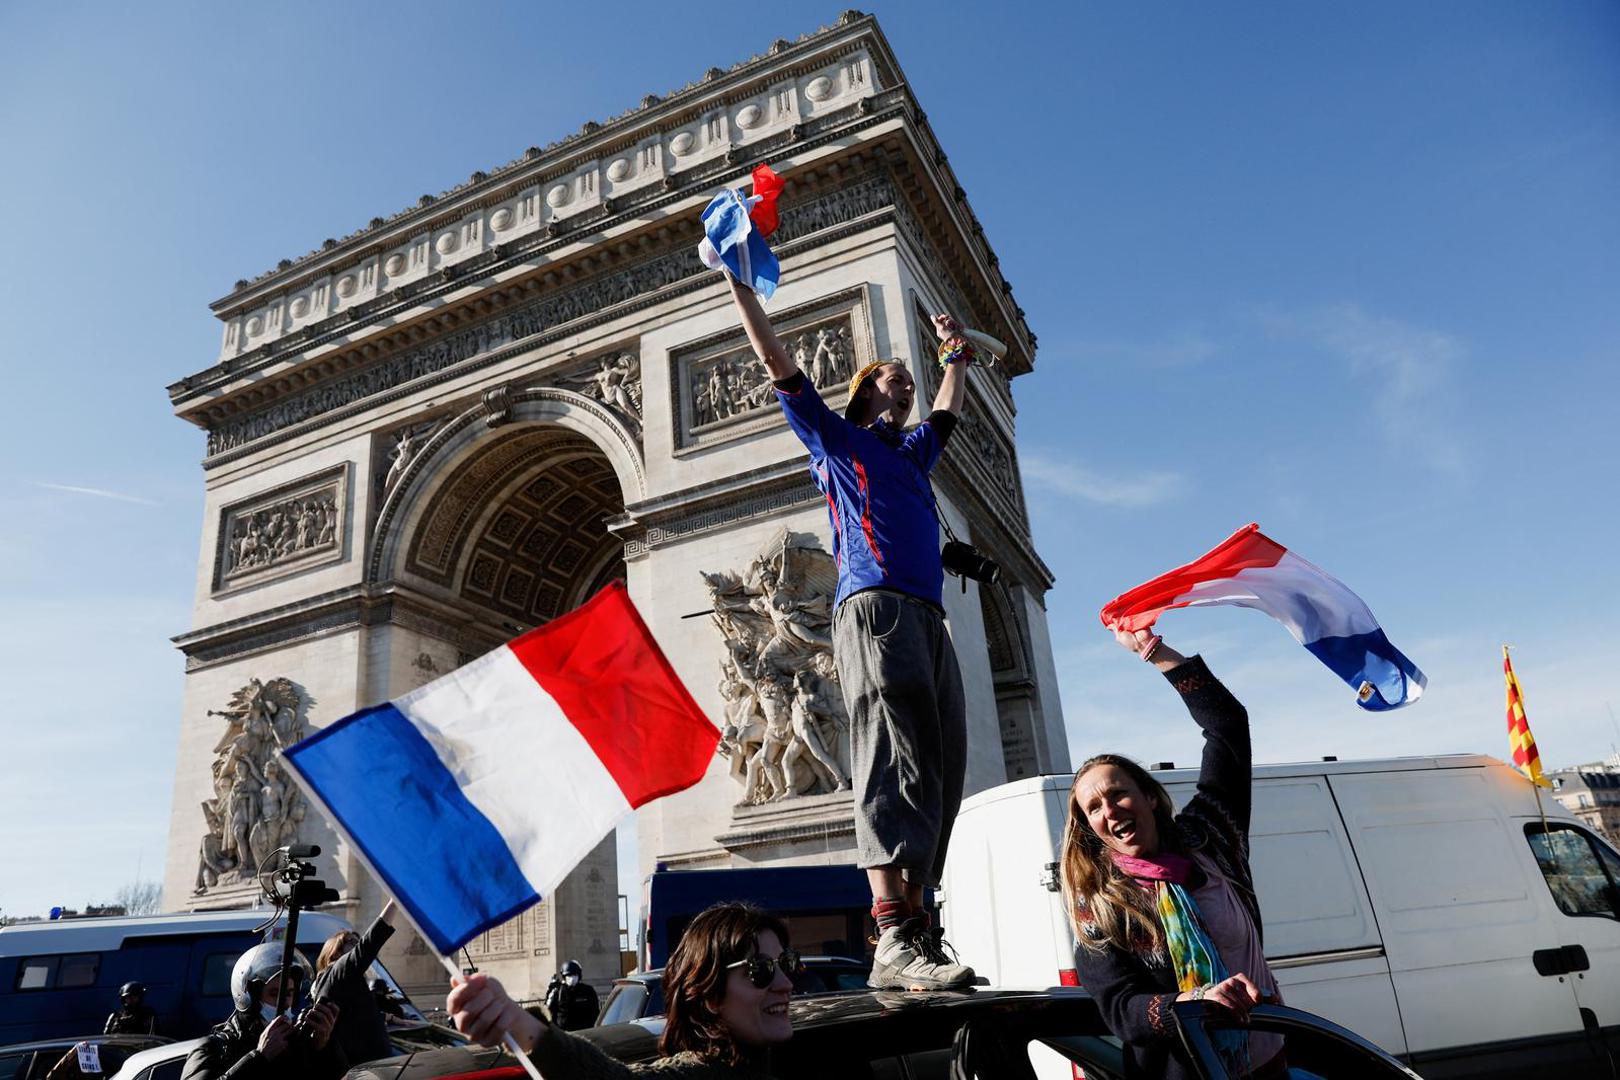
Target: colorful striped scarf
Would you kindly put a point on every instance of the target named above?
(1193, 957)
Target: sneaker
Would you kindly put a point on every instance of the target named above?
(912, 957)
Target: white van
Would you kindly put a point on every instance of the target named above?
(1424, 903)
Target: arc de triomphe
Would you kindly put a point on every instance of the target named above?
(465, 418)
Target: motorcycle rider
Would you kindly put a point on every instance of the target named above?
(254, 1043)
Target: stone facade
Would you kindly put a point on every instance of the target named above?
(464, 419)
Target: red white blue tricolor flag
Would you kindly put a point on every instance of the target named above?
(1249, 569)
(735, 229)
(472, 797)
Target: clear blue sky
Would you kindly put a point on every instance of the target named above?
(1350, 271)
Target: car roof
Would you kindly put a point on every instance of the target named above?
(157, 1054)
(809, 961)
(847, 1015)
(104, 1040)
(98, 934)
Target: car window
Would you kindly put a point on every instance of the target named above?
(168, 1070)
(624, 1004)
(66, 972)
(35, 973)
(216, 974)
(78, 970)
(13, 1066)
(1314, 1047)
(1569, 864)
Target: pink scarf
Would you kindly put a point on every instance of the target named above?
(1165, 866)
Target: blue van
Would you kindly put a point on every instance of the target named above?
(826, 907)
(61, 979)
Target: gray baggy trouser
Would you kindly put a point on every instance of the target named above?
(907, 729)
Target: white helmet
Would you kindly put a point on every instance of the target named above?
(258, 966)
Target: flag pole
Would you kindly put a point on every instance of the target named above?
(507, 1038)
(359, 853)
(1546, 830)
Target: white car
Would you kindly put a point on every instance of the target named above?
(159, 1063)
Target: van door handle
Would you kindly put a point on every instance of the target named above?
(1575, 958)
(1550, 961)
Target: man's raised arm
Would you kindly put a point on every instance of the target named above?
(760, 335)
(953, 384)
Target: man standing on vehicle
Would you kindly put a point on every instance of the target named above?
(134, 1016)
(255, 1043)
(896, 664)
(571, 1000)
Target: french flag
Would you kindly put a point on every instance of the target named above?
(735, 229)
(472, 797)
(1249, 569)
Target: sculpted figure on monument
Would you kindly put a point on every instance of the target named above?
(255, 808)
(272, 534)
(616, 383)
(785, 730)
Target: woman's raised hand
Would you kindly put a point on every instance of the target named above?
(1134, 640)
(1149, 646)
(1237, 995)
(483, 1011)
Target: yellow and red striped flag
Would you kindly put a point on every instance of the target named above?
(1523, 744)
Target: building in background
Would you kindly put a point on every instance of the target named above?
(1592, 793)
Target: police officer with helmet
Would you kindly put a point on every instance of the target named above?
(256, 1044)
(134, 1016)
(570, 999)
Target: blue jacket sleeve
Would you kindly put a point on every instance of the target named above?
(823, 432)
(925, 442)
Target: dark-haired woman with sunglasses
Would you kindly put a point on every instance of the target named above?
(726, 990)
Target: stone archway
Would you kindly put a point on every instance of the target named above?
(498, 525)
(452, 489)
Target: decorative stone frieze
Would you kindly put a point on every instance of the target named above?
(532, 323)
(293, 528)
(723, 392)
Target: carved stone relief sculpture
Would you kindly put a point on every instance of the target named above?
(255, 808)
(734, 384)
(721, 391)
(282, 530)
(615, 381)
(867, 196)
(786, 732)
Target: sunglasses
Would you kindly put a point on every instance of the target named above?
(762, 968)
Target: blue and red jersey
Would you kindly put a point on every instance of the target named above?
(885, 534)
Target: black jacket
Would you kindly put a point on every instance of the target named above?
(573, 1007)
(1136, 990)
(142, 1020)
(231, 1050)
(362, 1029)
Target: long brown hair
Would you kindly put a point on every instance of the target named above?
(695, 978)
(336, 945)
(1106, 907)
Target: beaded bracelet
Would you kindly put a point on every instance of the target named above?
(1151, 647)
(956, 348)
